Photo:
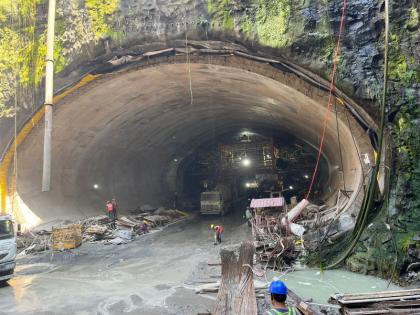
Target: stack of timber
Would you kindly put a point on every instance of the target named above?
(388, 302)
(67, 237)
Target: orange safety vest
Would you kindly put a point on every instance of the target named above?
(219, 229)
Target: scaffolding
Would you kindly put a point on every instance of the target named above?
(258, 156)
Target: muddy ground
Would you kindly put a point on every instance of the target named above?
(154, 274)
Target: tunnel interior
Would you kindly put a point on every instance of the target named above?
(140, 136)
(277, 162)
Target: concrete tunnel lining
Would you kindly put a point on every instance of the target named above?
(123, 130)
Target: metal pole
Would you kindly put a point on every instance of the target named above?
(49, 79)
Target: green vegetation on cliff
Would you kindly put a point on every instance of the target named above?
(21, 53)
(269, 19)
(221, 12)
(272, 21)
(99, 12)
(401, 69)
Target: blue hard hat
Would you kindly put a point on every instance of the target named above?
(277, 287)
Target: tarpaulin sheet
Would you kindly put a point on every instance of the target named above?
(267, 202)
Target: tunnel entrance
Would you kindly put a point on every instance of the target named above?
(139, 134)
(253, 165)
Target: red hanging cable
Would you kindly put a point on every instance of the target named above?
(330, 97)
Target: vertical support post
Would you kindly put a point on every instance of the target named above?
(49, 88)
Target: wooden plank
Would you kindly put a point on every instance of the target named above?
(379, 311)
(359, 296)
(388, 307)
(364, 311)
(373, 300)
(396, 304)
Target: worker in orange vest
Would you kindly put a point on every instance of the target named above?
(109, 206)
(218, 231)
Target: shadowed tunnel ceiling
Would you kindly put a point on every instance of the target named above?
(123, 131)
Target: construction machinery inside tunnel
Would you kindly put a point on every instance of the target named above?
(252, 165)
(137, 133)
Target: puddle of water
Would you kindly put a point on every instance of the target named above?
(319, 286)
(32, 269)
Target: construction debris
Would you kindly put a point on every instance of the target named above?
(33, 242)
(282, 235)
(98, 229)
(275, 245)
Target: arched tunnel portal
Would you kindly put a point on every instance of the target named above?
(128, 133)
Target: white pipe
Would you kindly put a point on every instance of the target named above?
(294, 212)
(49, 88)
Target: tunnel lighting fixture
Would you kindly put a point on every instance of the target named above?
(253, 184)
(95, 186)
(246, 162)
(175, 160)
(290, 187)
(306, 176)
(268, 156)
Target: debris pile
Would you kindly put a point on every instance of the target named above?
(273, 233)
(32, 242)
(98, 229)
(282, 234)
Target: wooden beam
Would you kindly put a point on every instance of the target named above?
(359, 296)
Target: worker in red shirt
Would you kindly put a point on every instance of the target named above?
(109, 206)
(218, 231)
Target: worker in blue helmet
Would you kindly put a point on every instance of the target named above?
(278, 291)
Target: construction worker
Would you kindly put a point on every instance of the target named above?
(278, 291)
(111, 213)
(218, 231)
(248, 216)
(115, 208)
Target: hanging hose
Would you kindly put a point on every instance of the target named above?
(369, 197)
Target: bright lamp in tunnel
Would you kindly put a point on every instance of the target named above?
(246, 162)
(95, 186)
(306, 176)
(290, 187)
(251, 184)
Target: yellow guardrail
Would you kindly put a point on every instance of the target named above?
(21, 136)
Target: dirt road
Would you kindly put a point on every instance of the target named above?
(152, 275)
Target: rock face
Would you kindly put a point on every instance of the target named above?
(305, 32)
